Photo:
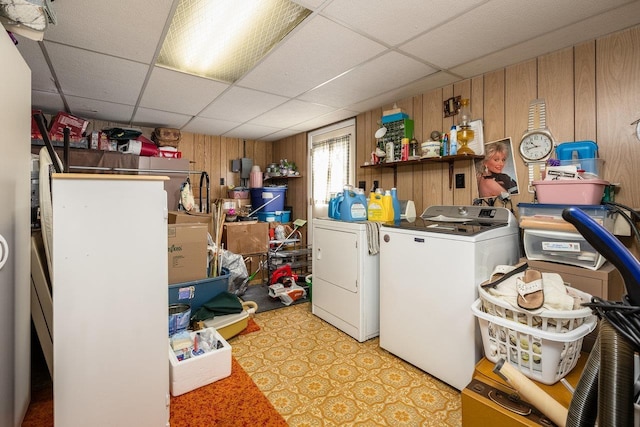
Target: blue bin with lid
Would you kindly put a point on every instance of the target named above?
(272, 195)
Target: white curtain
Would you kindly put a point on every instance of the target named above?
(330, 167)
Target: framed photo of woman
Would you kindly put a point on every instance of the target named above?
(496, 172)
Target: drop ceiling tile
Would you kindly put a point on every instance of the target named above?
(46, 101)
(497, 25)
(317, 52)
(433, 81)
(170, 90)
(394, 22)
(153, 118)
(611, 21)
(209, 126)
(284, 133)
(127, 29)
(379, 75)
(291, 113)
(242, 104)
(91, 75)
(250, 131)
(101, 110)
(327, 119)
(309, 4)
(41, 78)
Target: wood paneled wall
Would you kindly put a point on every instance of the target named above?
(213, 154)
(592, 92)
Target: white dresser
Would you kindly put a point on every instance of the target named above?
(110, 300)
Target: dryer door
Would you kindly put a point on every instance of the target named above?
(336, 258)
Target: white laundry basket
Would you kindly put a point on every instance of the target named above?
(534, 346)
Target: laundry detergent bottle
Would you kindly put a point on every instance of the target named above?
(396, 205)
(352, 207)
(387, 206)
(374, 209)
(333, 206)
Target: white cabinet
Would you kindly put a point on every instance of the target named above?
(110, 300)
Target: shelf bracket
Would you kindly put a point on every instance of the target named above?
(450, 174)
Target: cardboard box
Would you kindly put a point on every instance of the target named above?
(480, 411)
(197, 371)
(182, 217)
(187, 251)
(242, 238)
(76, 125)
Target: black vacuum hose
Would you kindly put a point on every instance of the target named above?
(583, 409)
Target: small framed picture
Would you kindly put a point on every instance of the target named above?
(496, 172)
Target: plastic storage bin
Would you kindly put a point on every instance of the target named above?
(277, 216)
(198, 292)
(543, 215)
(260, 196)
(571, 191)
(539, 352)
(560, 246)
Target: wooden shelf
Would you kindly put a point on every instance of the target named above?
(440, 159)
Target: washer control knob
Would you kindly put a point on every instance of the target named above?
(462, 210)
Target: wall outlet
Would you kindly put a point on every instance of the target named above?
(221, 181)
(459, 180)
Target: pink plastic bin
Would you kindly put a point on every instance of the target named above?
(571, 192)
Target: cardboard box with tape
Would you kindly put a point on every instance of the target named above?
(187, 252)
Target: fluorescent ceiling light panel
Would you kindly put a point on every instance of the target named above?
(223, 39)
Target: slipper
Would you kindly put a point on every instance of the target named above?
(530, 290)
(503, 272)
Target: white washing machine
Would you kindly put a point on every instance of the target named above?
(346, 285)
(429, 272)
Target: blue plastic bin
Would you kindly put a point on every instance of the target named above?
(198, 292)
(260, 196)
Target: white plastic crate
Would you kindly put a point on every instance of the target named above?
(541, 355)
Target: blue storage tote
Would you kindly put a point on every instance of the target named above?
(198, 292)
(260, 196)
(277, 216)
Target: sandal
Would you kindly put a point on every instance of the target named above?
(530, 290)
(503, 272)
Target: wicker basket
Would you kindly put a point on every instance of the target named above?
(545, 346)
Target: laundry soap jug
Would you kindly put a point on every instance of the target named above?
(352, 207)
(397, 211)
(387, 206)
(375, 209)
(334, 205)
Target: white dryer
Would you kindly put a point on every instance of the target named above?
(346, 285)
(429, 272)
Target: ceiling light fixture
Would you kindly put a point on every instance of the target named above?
(222, 39)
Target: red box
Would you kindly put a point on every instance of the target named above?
(76, 125)
(35, 131)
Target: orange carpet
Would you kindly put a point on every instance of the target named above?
(232, 401)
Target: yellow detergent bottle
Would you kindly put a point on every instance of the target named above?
(387, 206)
(374, 209)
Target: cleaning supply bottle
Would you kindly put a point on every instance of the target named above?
(396, 205)
(387, 206)
(374, 209)
(351, 206)
(333, 204)
(453, 141)
(362, 198)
